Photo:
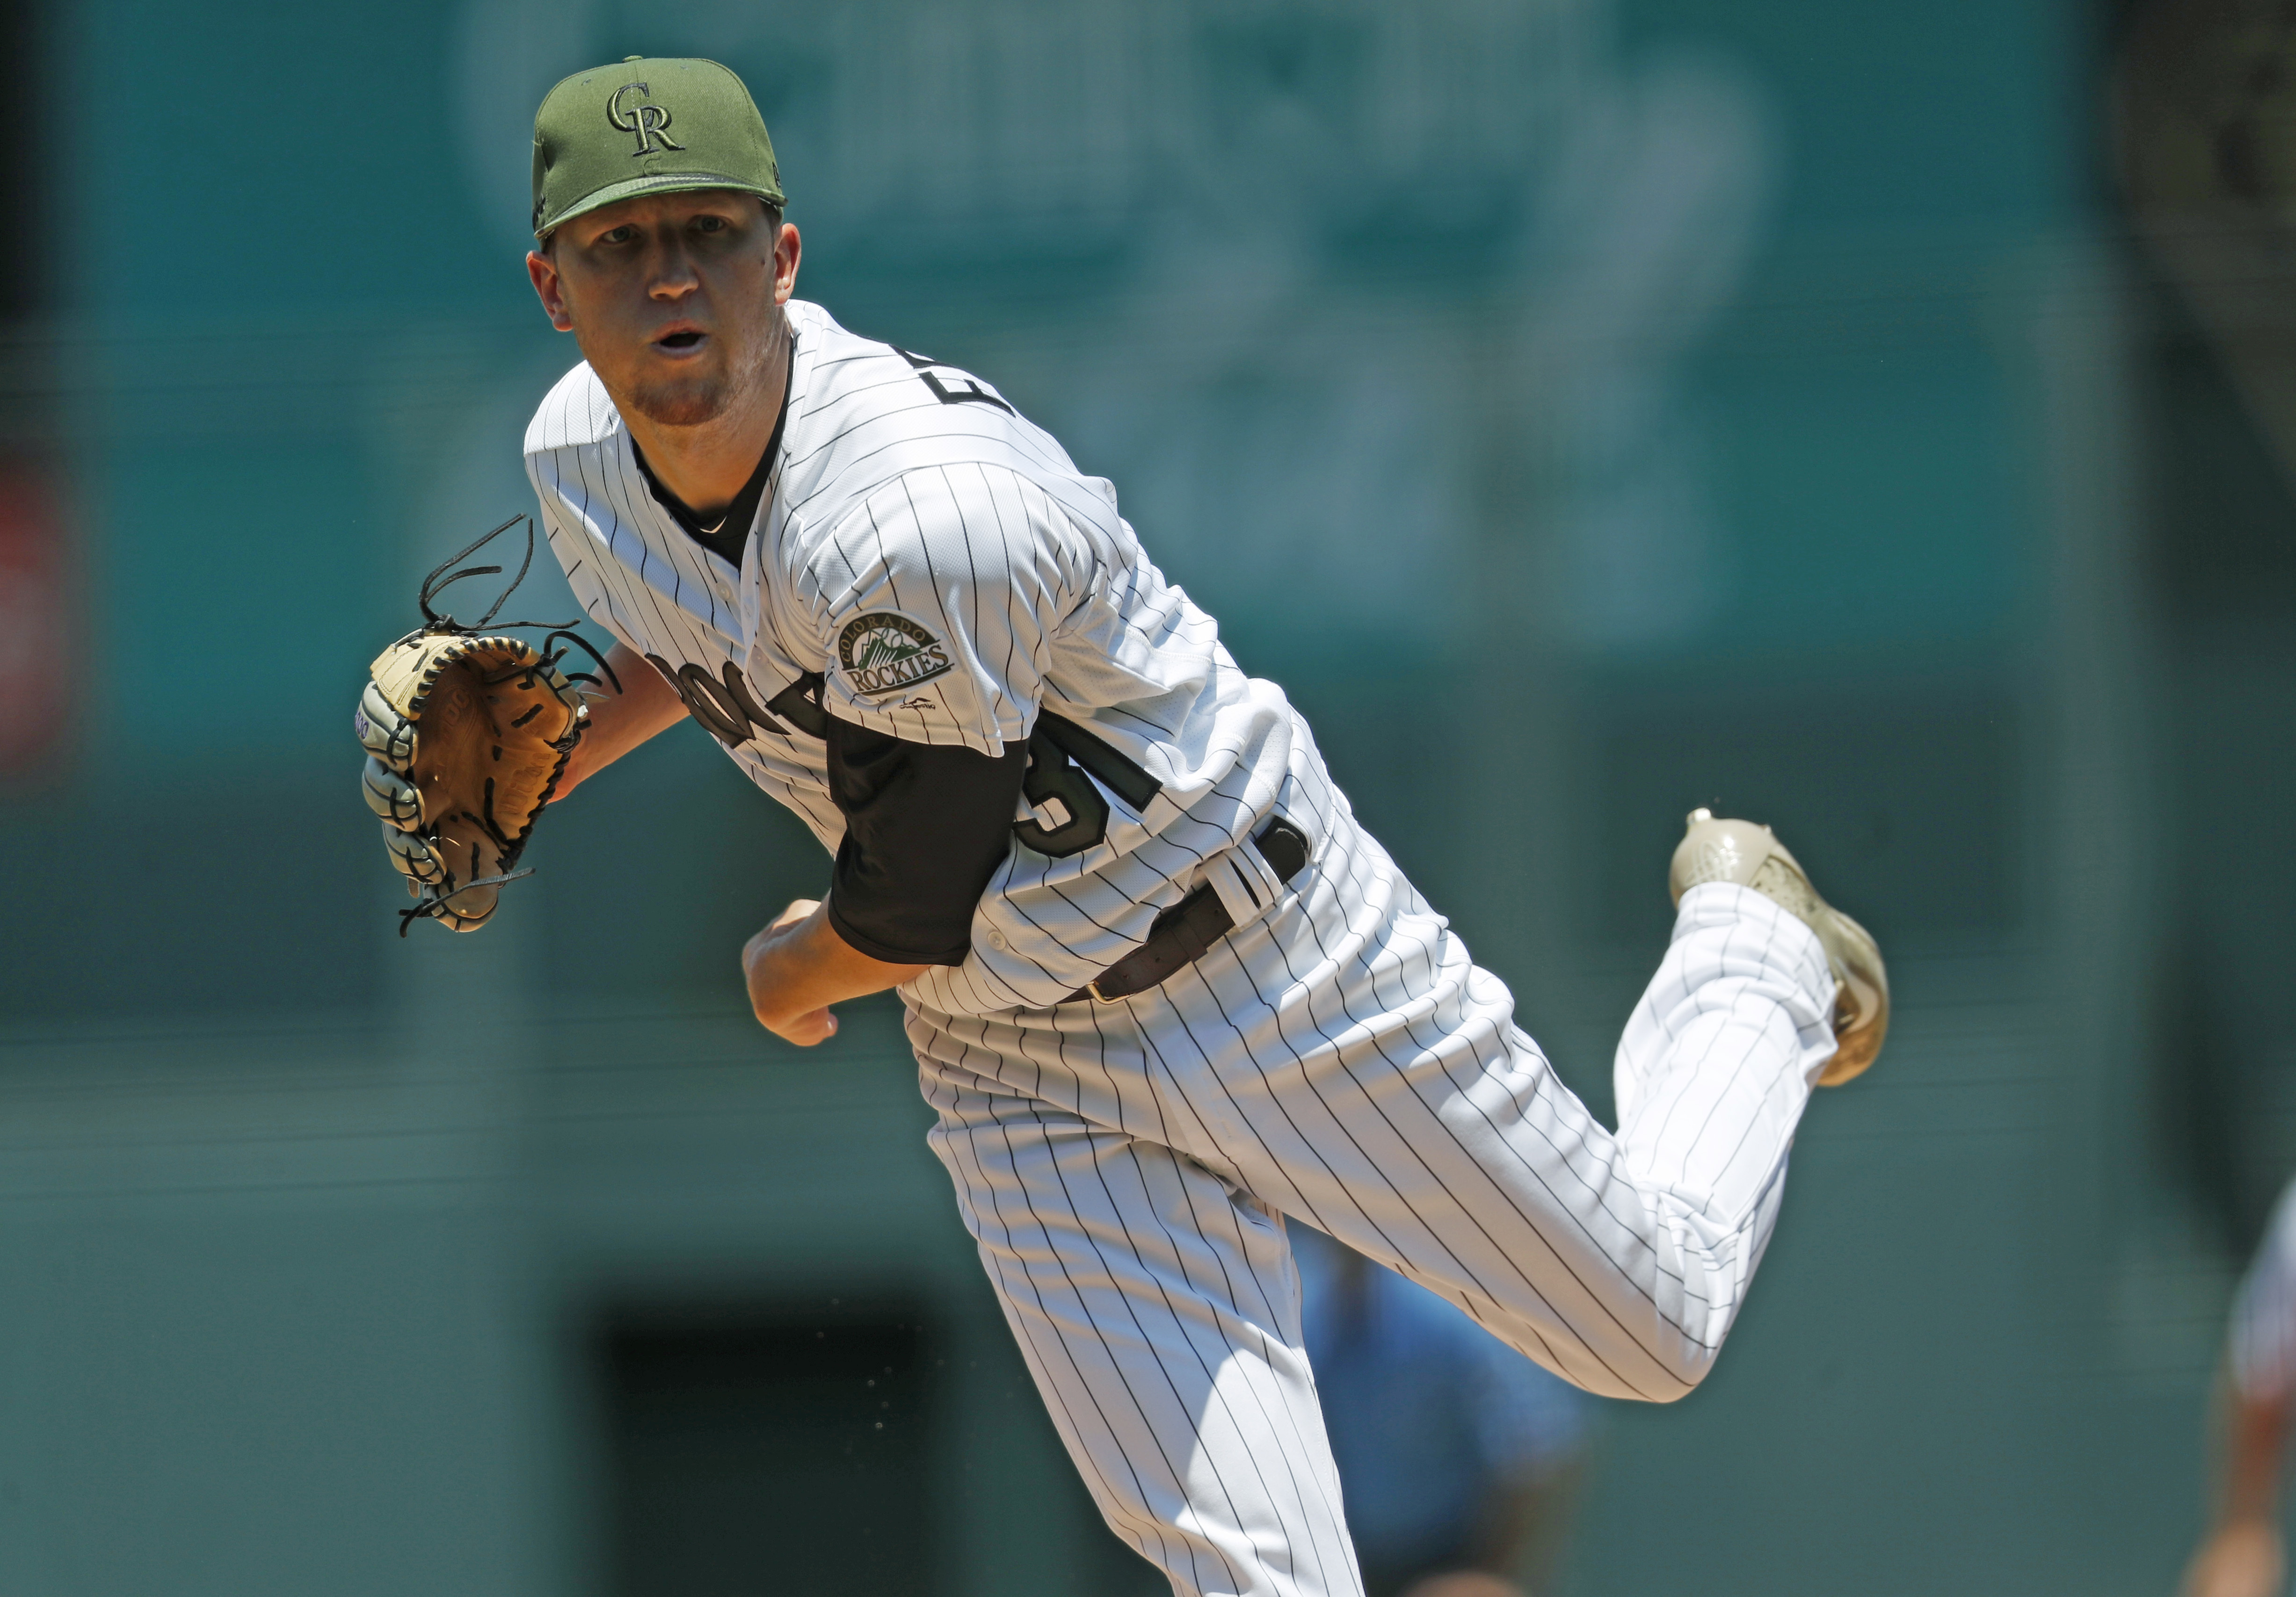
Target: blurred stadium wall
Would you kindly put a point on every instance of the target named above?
(1587, 408)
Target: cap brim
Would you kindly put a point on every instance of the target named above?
(659, 183)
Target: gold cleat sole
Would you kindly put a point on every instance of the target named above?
(1751, 856)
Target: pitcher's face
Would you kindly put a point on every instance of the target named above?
(674, 299)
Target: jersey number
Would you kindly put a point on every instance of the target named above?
(727, 706)
(1063, 759)
(1057, 789)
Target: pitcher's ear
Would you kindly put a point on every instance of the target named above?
(542, 271)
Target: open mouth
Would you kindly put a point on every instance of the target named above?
(680, 340)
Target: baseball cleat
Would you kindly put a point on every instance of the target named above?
(1751, 856)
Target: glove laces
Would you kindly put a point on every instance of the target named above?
(440, 580)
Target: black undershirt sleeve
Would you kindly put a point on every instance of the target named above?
(926, 825)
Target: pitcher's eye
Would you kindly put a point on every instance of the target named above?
(709, 224)
(619, 235)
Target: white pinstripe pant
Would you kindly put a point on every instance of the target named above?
(1122, 1168)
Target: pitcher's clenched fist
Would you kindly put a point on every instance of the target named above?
(797, 966)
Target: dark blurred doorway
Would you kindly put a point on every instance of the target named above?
(2202, 109)
(767, 1457)
(23, 127)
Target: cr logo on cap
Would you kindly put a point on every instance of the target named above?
(647, 121)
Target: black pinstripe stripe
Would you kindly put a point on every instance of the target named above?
(1461, 1269)
(1000, 1275)
(1654, 1260)
(1149, 1278)
(1556, 1253)
(1288, 1452)
(1173, 1471)
(1297, 1448)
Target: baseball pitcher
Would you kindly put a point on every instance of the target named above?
(1163, 990)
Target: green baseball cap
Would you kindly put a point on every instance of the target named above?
(647, 127)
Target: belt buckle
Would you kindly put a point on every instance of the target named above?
(1093, 987)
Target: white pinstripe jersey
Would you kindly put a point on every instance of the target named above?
(927, 562)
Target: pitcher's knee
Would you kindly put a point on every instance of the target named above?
(1665, 1368)
(1681, 1378)
(1682, 1364)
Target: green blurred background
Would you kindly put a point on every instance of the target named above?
(1586, 409)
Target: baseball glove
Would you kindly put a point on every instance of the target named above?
(466, 736)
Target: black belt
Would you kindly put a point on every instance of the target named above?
(1184, 933)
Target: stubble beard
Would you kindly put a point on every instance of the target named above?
(686, 401)
(700, 399)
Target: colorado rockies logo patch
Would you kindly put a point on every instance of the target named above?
(884, 654)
